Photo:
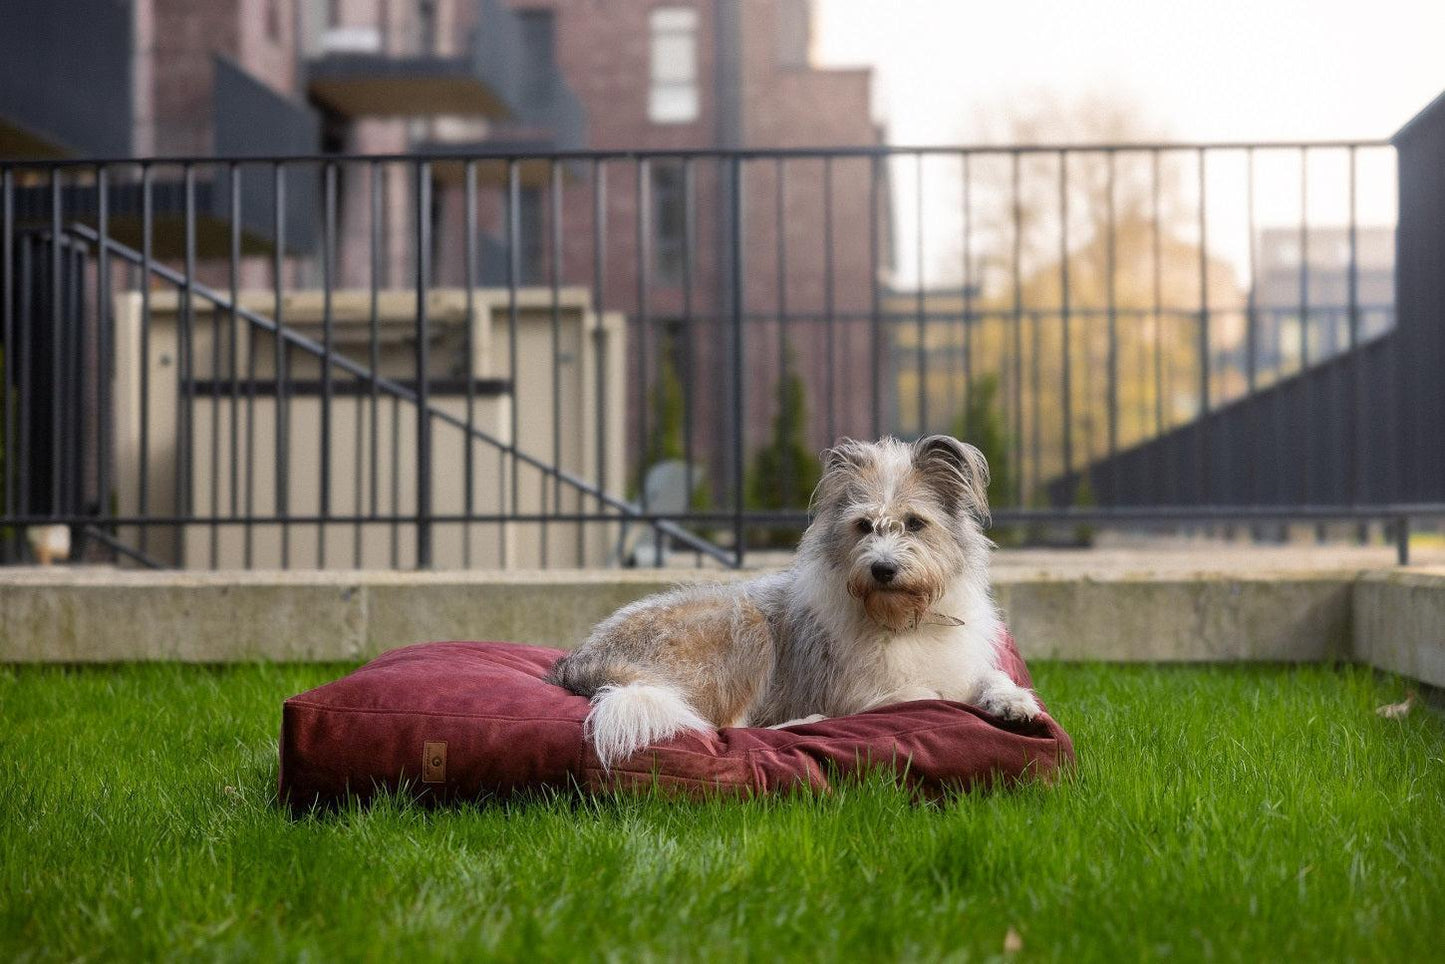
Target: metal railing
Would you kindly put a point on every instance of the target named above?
(1102, 319)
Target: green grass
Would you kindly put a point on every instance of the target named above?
(1226, 812)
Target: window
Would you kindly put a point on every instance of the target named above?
(538, 54)
(669, 221)
(672, 93)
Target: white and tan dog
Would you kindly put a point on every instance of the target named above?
(888, 601)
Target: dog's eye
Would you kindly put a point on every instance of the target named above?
(863, 526)
(913, 523)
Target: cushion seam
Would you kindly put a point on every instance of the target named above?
(669, 776)
(552, 719)
(933, 728)
(451, 716)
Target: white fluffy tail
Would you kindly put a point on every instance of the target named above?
(624, 719)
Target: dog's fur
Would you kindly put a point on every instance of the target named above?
(835, 634)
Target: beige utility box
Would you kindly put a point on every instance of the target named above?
(235, 468)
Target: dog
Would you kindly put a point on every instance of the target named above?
(888, 601)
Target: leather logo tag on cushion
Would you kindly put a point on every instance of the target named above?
(434, 762)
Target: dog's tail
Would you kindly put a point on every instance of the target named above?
(626, 718)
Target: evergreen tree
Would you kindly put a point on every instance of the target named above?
(982, 425)
(784, 471)
(664, 437)
(668, 412)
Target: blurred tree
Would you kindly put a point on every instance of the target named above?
(664, 441)
(785, 471)
(1130, 239)
(982, 424)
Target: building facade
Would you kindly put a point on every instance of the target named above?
(700, 76)
(453, 79)
(1309, 276)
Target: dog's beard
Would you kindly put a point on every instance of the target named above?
(896, 609)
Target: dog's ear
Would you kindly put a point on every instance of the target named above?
(846, 456)
(840, 463)
(957, 471)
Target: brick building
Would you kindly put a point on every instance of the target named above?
(723, 74)
(141, 78)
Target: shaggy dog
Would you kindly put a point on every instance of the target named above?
(888, 601)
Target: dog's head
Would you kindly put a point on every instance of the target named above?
(901, 523)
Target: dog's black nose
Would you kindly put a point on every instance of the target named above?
(884, 571)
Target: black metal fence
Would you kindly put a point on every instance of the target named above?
(593, 358)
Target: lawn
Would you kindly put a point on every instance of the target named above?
(1216, 812)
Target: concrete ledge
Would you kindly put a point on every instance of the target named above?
(1400, 623)
(101, 615)
(1274, 617)
(80, 615)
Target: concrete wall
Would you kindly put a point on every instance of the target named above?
(1391, 619)
(1400, 623)
(1325, 436)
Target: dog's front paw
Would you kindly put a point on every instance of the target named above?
(1010, 702)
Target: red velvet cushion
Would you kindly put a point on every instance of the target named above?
(465, 720)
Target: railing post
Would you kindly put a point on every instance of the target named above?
(1014, 397)
(58, 430)
(423, 401)
(328, 283)
(643, 227)
(514, 282)
(469, 346)
(185, 367)
(283, 440)
(922, 302)
(1111, 270)
(8, 369)
(875, 325)
(105, 425)
(1065, 326)
(1357, 394)
(1307, 465)
(1205, 484)
(599, 333)
(735, 245)
(966, 302)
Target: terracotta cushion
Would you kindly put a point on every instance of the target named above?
(463, 721)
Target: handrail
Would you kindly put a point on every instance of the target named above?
(745, 153)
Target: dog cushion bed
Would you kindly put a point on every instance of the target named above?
(465, 721)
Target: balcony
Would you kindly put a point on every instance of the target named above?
(354, 75)
(65, 79)
(247, 119)
(550, 119)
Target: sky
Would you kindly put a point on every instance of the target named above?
(946, 71)
(1221, 70)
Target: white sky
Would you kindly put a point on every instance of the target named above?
(1216, 70)
(1246, 70)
